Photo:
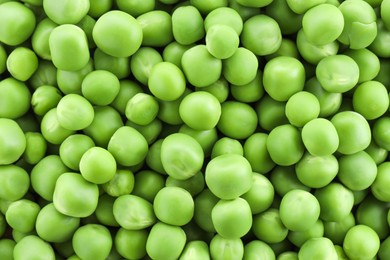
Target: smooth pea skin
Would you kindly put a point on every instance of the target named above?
(142, 63)
(92, 241)
(187, 25)
(353, 131)
(222, 41)
(32, 246)
(196, 249)
(193, 185)
(271, 113)
(119, 66)
(385, 7)
(45, 98)
(323, 24)
(100, 87)
(301, 108)
(288, 21)
(318, 248)
(200, 67)
(122, 183)
(226, 249)
(156, 27)
(226, 145)
(382, 180)
(117, 34)
(7, 248)
(241, 67)
(337, 73)
(74, 196)
(97, 165)
(36, 147)
(22, 63)
(14, 98)
(283, 76)
(18, 23)
(258, 248)
(229, 176)
(73, 148)
(142, 109)
(373, 213)
(69, 47)
(361, 241)
(165, 241)
(300, 7)
(255, 151)
(66, 12)
(21, 215)
(131, 243)
(261, 195)
(284, 145)
(268, 227)
(12, 141)
(133, 212)
(299, 210)
(368, 62)
(224, 16)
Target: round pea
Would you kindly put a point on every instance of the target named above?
(131, 244)
(142, 109)
(368, 62)
(301, 108)
(384, 8)
(255, 151)
(45, 98)
(7, 248)
(22, 214)
(147, 184)
(195, 249)
(205, 6)
(288, 21)
(14, 182)
(127, 90)
(12, 141)
(224, 16)
(15, 98)
(73, 148)
(119, 66)
(66, 12)
(224, 248)
(257, 248)
(373, 213)
(250, 92)
(3, 59)
(298, 238)
(32, 246)
(156, 28)
(227, 145)
(142, 63)
(187, 25)
(271, 113)
(268, 227)
(229, 176)
(222, 41)
(97, 165)
(318, 248)
(174, 51)
(361, 241)
(336, 230)
(378, 187)
(377, 153)
(22, 63)
(117, 33)
(193, 185)
(204, 204)
(240, 68)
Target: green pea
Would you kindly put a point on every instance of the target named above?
(360, 28)
(383, 252)
(187, 25)
(69, 82)
(222, 41)
(131, 244)
(301, 108)
(127, 90)
(73, 148)
(122, 183)
(268, 227)
(204, 204)
(150, 131)
(174, 206)
(373, 213)
(224, 16)
(45, 98)
(74, 196)
(99, 130)
(22, 63)
(133, 212)
(200, 67)
(12, 140)
(299, 210)
(45, 174)
(258, 248)
(361, 241)
(68, 12)
(377, 153)
(368, 62)
(384, 8)
(35, 147)
(18, 23)
(156, 27)
(317, 171)
(240, 68)
(174, 51)
(300, 7)
(21, 215)
(219, 89)
(3, 59)
(195, 249)
(250, 92)
(357, 171)
(261, 34)
(193, 185)
(119, 66)
(288, 255)
(14, 98)
(32, 246)
(147, 184)
(46, 74)
(206, 138)
(336, 230)
(7, 248)
(169, 110)
(166, 81)
(136, 7)
(353, 131)
(51, 129)
(69, 47)
(92, 241)
(270, 113)
(109, 30)
(378, 187)
(379, 133)
(227, 249)
(284, 145)
(142, 109)
(288, 21)
(255, 151)
(97, 165)
(226, 145)
(298, 238)
(153, 158)
(142, 63)
(207, 6)
(323, 24)
(283, 77)
(287, 48)
(238, 120)
(104, 211)
(54, 226)
(319, 248)
(229, 176)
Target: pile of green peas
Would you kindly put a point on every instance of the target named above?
(198, 129)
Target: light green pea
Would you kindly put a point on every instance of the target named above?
(319, 248)
(271, 113)
(72, 149)
(298, 238)
(181, 156)
(174, 51)
(283, 77)
(22, 214)
(35, 147)
(207, 6)
(229, 176)
(254, 3)
(109, 31)
(45, 174)
(69, 82)
(288, 255)
(336, 230)
(147, 184)
(122, 183)
(69, 47)
(99, 7)
(196, 249)
(22, 63)
(313, 53)
(15, 98)
(301, 108)
(240, 68)
(373, 213)
(258, 248)
(46, 74)
(156, 27)
(224, 16)
(142, 109)
(127, 90)
(18, 23)
(200, 67)
(361, 241)
(379, 46)
(360, 28)
(288, 21)
(300, 7)
(353, 131)
(284, 145)
(54, 226)
(204, 204)
(92, 241)
(67, 12)
(165, 241)
(32, 246)
(51, 129)
(287, 48)
(377, 153)
(219, 89)
(187, 25)
(7, 248)
(226, 249)
(119, 66)
(100, 87)
(378, 188)
(323, 24)
(206, 138)
(380, 135)
(74, 196)
(97, 165)
(150, 131)
(317, 171)
(153, 158)
(12, 140)
(261, 34)
(238, 120)
(131, 244)
(368, 62)
(268, 227)
(250, 92)
(136, 7)
(255, 151)
(222, 41)
(226, 145)
(142, 63)
(45, 98)
(193, 185)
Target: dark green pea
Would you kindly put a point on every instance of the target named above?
(136, 7)
(35, 147)
(174, 51)
(104, 211)
(119, 66)
(127, 90)
(271, 113)
(268, 227)
(44, 98)
(131, 244)
(206, 138)
(376, 152)
(337, 230)
(255, 150)
(206, 6)
(7, 248)
(289, 22)
(147, 184)
(153, 158)
(219, 89)
(298, 238)
(284, 179)
(368, 62)
(46, 74)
